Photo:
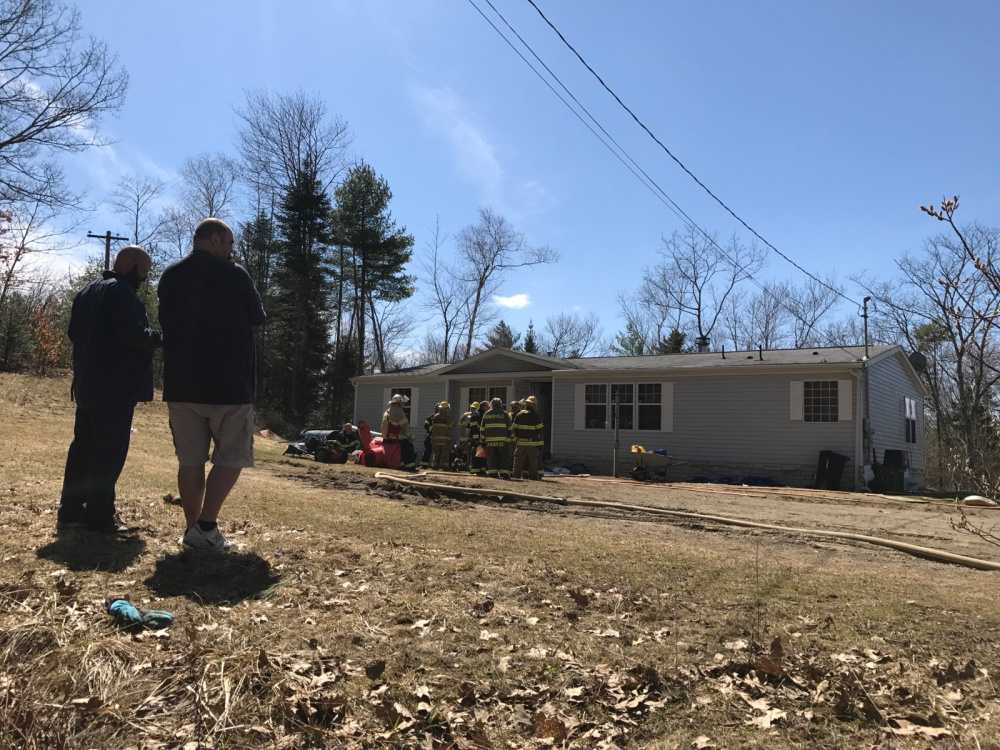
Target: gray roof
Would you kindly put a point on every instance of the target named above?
(757, 358)
(834, 355)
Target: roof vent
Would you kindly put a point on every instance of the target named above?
(815, 352)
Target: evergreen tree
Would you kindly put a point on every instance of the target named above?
(378, 252)
(530, 342)
(502, 336)
(299, 335)
(673, 343)
(630, 342)
(257, 252)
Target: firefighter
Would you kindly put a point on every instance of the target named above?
(464, 441)
(528, 429)
(425, 460)
(396, 429)
(345, 443)
(496, 436)
(515, 409)
(441, 427)
(477, 463)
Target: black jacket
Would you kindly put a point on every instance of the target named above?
(112, 345)
(208, 308)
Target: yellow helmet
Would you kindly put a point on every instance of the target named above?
(532, 401)
(444, 405)
(474, 405)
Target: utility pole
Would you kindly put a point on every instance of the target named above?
(864, 314)
(107, 245)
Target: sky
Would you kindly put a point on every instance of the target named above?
(823, 125)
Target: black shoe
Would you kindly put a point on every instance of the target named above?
(114, 527)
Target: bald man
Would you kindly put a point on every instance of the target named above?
(112, 371)
(208, 309)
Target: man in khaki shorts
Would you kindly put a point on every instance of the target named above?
(208, 309)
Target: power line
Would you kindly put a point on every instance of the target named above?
(634, 167)
(679, 162)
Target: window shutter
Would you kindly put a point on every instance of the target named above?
(464, 406)
(796, 400)
(579, 406)
(666, 407)
(845, 401)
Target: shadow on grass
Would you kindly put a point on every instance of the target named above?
(210, 577)
(82, 550)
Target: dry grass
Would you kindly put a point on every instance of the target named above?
(358, 615)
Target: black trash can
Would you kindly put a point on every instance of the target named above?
(830, 470)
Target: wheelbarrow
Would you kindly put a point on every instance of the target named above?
(650, 467)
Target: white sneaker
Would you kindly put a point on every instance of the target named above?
(195, 537)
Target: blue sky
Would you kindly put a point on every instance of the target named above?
(824, 125)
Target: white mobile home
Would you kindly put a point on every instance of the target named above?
(721, 416)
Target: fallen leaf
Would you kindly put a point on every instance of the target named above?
(904, 728)
(769, 718)
(703, 743)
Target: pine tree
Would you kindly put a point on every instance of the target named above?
(530, 342)
(673, 344)
(502, 336)
(630, 342)
(299, 326)
(378, 251)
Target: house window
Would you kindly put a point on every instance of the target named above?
(623, 394)
(910, 419)
(650, 409)
(498, 391)
(596, 407)
(820, 403)
(482, 394)
(477, 395)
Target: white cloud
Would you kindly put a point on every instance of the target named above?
(515, 302)
(446, 114)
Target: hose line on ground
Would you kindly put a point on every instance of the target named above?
(912, 549)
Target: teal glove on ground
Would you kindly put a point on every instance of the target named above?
(131, 617)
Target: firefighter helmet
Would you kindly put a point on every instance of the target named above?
(474, 405)
(444, 405)
(398, 399)
(531, 401)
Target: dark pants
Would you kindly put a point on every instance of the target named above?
(408, 454)
(497, 460)
(93, 465)
(425, 460)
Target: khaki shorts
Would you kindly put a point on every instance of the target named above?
(196, 426)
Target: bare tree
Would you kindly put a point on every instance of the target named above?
(26, 233)
(572, 336)
(696, 275)
(809, 305)
(55, 87)
(489, 250)
(940, 308)
(445, 295)
(281, 134)
(134, 201)
(208, 186)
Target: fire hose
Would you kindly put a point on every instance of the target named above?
(911, 549)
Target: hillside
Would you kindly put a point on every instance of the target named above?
(360, 613)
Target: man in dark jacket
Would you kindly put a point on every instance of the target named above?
(208, 309)
(112, 371)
